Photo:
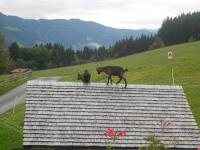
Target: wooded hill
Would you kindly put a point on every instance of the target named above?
(184, 28)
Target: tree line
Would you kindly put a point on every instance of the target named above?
(52, 55)
(43, 56)
(184, 28)
(180, 29)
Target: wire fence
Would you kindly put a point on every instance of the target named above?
(6, 120)
(15, 77)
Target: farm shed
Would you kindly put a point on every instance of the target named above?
(65, 115)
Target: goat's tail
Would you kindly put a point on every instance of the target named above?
(125, 70)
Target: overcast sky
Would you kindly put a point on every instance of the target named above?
(129, 14)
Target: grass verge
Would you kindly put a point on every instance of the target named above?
(11, 126)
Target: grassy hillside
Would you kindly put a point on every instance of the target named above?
(151, 67)
(11, 125)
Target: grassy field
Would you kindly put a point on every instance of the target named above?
(151, 67)
(11, 125)
(11, 86)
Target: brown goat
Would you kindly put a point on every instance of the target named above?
(115, 71)
(85, 77)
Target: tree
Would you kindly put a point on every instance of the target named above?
(2, 62)
(40, 58)
(54, 58)
(87, 53)
(56, 54)
(2, 40)
(26, 53)
(101, 53)
(158, 43)
(20, 63)
(69, 56)
(14, 51)
(191, 39)
(3, 57)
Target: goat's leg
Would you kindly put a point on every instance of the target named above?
(120, 78)
(125, 82)
(108, 79)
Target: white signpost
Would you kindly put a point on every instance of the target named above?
(170, 57)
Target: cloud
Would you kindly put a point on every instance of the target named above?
(116, 13)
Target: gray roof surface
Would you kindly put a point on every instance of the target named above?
(74, 114)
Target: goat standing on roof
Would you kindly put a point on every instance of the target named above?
(115, 71)
(85, 77)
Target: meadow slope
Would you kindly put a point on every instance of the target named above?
(151, 67)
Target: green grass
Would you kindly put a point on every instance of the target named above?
(3, 77)
(151, 67)
(11, 86)
(11, 125)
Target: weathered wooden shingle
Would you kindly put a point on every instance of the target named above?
(74, 114)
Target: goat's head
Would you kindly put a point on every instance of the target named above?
(98, 70)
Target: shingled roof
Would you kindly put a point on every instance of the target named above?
(68, 114)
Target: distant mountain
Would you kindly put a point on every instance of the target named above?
(73, 32)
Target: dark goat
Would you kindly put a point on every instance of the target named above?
(85, 77)
(115, 71)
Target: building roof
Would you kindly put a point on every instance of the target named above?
(20, 70)
(74, 114)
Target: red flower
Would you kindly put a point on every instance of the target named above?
(110, 132)
(168, 123)
(198, 148)
(165, 123)
(122, 133)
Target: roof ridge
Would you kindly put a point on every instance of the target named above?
(94, 84)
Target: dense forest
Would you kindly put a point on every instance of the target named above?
(184, 28)
(180, 29)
